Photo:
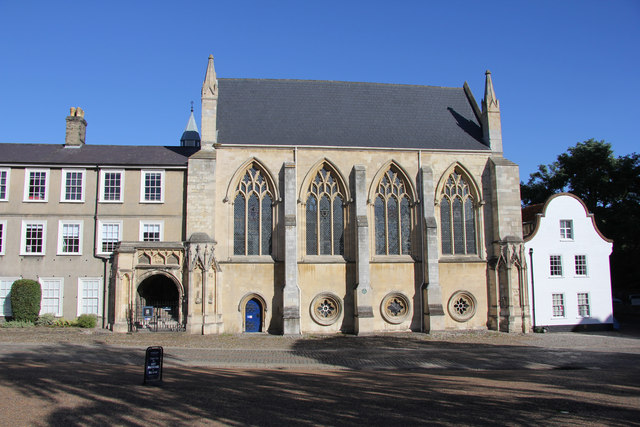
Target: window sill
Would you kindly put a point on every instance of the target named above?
(69, 254)
(71, 201)
(251, 259)
(111, 201)
(35, 201)
(460, 258)
(323, 259)
(32, 254)
(390, 259)
(152, 202)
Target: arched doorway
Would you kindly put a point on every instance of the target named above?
(158, 305)
(253, 314)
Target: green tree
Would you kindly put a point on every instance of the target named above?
(25, 300)
(610, 187)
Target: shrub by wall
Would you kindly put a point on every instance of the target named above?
(25, 300)
(86, 321)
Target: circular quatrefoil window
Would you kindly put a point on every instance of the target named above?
(326, 309)
(462, 306)
(395, 308)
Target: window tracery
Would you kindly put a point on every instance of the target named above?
(457, 217)
(392, 214)
(252, 215)
(325, 215)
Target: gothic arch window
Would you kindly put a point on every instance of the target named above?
(392, 214)
(324, 212)
(458, 216)
(253, 214)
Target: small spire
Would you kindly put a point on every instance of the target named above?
(490, 102)
(210, 85)
(190, 136)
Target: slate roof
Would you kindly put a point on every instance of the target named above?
(95, 155)
(330, 113)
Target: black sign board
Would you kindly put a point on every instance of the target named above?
(147, 311)
(153, 365)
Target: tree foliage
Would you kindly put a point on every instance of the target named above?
(25, 300)
(610, 187)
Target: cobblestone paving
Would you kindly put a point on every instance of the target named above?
(481, 350)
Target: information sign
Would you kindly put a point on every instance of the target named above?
(153, 365)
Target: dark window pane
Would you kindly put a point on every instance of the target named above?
(470, 226)
(380, 226)
(325, 225)
(312, 223)
(405, 219)
(267, 224)
(253, 225)
(338, 227)
(458, 226)
(238, 225)
(393, 223)
(445, 220)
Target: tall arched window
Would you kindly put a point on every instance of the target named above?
(252, 215)
(457, 217)
(325, 215)
(392, 215)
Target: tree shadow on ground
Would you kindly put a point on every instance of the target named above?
(103, 386)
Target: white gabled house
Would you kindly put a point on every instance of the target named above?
(570, 280)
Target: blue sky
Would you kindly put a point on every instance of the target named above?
(564, 71)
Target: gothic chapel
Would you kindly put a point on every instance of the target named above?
(301, 207)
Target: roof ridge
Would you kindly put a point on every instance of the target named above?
(342, 81)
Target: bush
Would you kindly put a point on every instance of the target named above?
(46, 319)
(87, 321)
(17, 324)
(62, 323)
(25, 300)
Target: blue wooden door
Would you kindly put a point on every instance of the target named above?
(252, 316)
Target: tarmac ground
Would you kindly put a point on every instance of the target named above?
(70, 377)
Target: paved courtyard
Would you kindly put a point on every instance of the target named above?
(75, 377)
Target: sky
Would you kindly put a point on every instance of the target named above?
(564, 71)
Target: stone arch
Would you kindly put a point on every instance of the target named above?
(242, 170)
(242, 308)
(392, 164)
(313, 171)
(464, 172)
(164, 292)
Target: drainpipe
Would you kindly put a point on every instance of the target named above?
(105, 291)
(533, 292)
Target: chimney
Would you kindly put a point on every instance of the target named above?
(76, 128)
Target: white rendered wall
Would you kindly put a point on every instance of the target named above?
(547, 241)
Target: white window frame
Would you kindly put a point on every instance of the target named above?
(146, 223)
(27, 186)
(7, 185)
(103, 172)
(5, 290)
(23, 237)
(559, 257)
(564, 306)
(81, 299)
(566, 225)
(588, 304)
(3, 236)
(61, 225)
(63, 185)
(585, 266)
(143, 178)
(101, 224)
(60, 280)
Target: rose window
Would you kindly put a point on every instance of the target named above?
(326, 309)
(462, 306)
(395, 308)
